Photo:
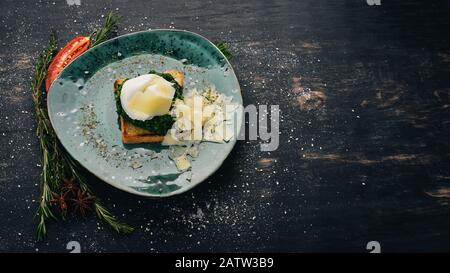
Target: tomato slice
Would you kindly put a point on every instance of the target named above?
(65, 56)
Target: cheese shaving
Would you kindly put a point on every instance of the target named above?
(201, 116)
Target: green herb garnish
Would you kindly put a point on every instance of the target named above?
(223, 47)
(107, 30)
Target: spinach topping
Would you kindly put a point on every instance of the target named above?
(159, 124)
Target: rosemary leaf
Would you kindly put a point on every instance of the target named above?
(223, 47)
(107, 217)
(107, 30)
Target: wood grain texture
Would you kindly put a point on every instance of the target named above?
(364, 147)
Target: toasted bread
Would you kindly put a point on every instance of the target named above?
(132, 134)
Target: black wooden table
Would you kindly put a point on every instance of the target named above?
(364, 93)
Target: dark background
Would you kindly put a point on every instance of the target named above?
(364, 147)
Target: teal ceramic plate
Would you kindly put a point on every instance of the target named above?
(83, 112)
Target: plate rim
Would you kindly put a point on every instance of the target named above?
(126, 188)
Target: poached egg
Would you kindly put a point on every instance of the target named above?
(146, 96)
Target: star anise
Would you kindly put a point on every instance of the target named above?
(60, 200)
(82, 202)
(70, 187)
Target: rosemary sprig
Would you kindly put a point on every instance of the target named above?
(108, 29)
(223, 47)
(45, 135)
(57, 164)
(106, 216)
(101, 212)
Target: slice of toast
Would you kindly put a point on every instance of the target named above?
(132, 134)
